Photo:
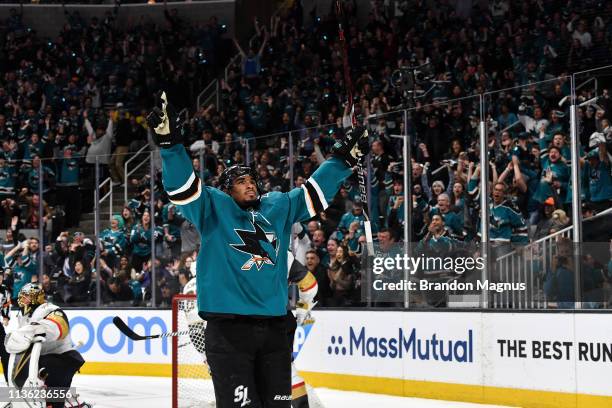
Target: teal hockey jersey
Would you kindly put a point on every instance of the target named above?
(114, 241)
(68, 175)
(242, 263)
(506, 225)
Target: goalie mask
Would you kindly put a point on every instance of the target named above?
(30, 297)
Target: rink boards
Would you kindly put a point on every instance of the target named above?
(519, 359)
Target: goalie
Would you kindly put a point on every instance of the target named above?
(46, 322)
(308, 287)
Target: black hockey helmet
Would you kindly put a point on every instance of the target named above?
(230, 174)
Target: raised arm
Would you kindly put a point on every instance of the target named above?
(242, 54)
(518, 175)
(603, 153)
(181, 183)
(319, 190)
(263, 44)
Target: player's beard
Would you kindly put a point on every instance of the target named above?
(245, 205)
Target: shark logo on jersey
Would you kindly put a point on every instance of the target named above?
(261, 245)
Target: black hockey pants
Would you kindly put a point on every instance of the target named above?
(250, 362)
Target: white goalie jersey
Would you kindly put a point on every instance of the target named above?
(47, 320)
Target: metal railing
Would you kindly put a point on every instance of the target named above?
(108, 195)
(127, 173)
(203, 100)
(529, 264)
(592, 79)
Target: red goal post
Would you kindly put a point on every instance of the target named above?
(191, 381)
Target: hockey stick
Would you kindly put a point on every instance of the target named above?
(123, 328)
(361, 176)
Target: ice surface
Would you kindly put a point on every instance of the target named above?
(107, 391)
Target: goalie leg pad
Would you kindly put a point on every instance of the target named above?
(21, 366)
(59, 369)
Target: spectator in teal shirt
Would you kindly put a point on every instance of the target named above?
(114, 241)
(7, 180)
(140, 237)
(355, 215)
(24, 267)
(68, 187)
(34, 173)
(256, 112)
(555, 176)
(598, 170)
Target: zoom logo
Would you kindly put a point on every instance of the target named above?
(102, 334)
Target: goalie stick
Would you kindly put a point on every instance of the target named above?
(361, 176)
(123, 328)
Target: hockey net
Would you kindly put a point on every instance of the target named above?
(191, 382)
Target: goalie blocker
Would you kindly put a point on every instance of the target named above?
(40, 320)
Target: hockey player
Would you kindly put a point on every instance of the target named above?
(5, 309)
(307, 286)
(242, 264)
(39, 319)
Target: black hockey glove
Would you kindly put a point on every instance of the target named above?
(353, 146)
(165, 123)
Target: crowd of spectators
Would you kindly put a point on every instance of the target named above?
(66, 101)
(288, 93)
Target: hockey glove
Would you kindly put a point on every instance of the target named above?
(353, 146)
(302, 313)
(165, 123)
(19, 340)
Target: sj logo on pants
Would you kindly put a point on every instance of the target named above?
(241, 394)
